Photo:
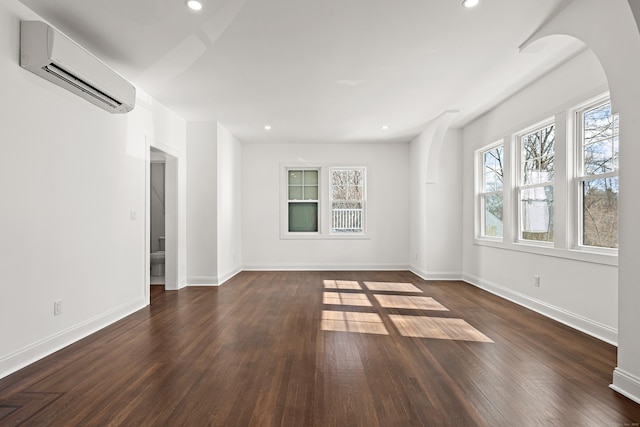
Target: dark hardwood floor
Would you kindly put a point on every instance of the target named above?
(324, 349)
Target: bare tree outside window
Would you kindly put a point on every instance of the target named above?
(347, 200)
(491, 198)
(536, 184)
(592, 171)
(599, 180)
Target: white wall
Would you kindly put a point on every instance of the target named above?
(436, 203)
(387, 207)
(583, 294)
(70, 175)
(229, 179)
(214, 204)
(444, 212)
(202, 193)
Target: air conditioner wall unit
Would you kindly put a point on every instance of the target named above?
(52, 55)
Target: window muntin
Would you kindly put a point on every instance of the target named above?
(599, 140)
(302, 191)
(535, 189)
(491, 197)
(347, 194)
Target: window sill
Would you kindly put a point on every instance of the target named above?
(583, 255)
(318, 236)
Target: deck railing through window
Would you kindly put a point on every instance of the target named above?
(347, 220)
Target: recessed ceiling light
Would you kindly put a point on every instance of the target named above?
(267, 127)
(385, 127)
(470, 3)
(194, 5)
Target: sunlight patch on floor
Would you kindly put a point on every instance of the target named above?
(437, 328)
(392, 287)
(353, 293)
(337, 298)
(348, 321)
(342, 284)
(409, 302)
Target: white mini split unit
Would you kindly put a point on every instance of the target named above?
(51, 55)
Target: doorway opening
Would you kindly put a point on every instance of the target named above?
(157, 210)
(161, 236)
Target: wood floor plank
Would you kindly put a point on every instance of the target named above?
(324, 349)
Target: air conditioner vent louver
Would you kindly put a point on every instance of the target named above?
(51, 55)
(81, 85)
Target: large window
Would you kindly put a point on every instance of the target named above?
(535, 190)
(324, 202)
(553, 188)
(491, 197)
(347, 200)
(302, 186)
(597, 175)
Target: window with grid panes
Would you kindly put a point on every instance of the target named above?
(302, 190)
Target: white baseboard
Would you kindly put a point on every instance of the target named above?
(325, 267)
(212, 280)
(575, 321)
(217, 281)
(34, 352)
(228, 275)
(626, 384)
(435, 275)
(202, 281)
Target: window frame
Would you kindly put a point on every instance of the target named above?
(580, 177)
(363, 201)
(566, 187)
(481, 193)
(296, 201)
(324, 202)
(518, 167)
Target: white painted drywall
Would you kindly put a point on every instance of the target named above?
(443, 251)
(387, 207)
(202, 233)
(71, 175)
(214, 204)
(581, 293)
(436, 203)
(229, 181)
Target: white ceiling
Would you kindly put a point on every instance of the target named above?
(316, 70)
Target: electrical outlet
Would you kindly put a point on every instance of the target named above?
(536, 281)
(57, 307)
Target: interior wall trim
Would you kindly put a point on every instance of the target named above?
(626, 384)
(325, 267)
(435, 275)
(228, 275)
(202, 281)
(43, 348)
(590, 327)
